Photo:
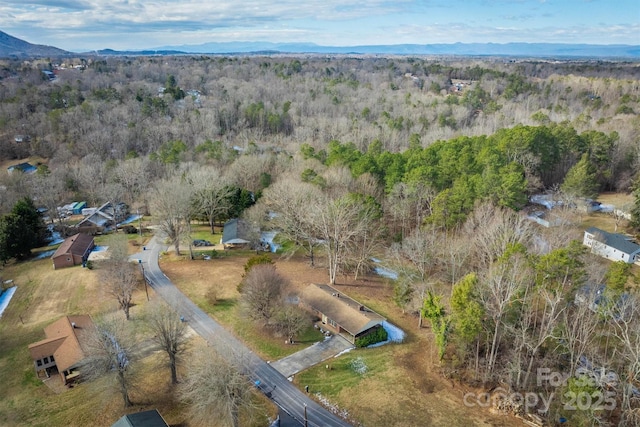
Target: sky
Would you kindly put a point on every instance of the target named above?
(83, 25)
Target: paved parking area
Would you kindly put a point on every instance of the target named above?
(311, 356)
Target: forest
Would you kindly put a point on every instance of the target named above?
(427, 163)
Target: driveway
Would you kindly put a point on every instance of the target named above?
(312, 355)
(280, 390)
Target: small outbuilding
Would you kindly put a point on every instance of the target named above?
(64, 347)
(78, 207)
(613, 246)
(340, 313)
(74, 250)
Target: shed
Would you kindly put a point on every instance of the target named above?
(63, 348)
(78, 206)
(74, 250)
(150, 418)
(339, 312)
(613, 246)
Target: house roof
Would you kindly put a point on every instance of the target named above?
(615, 240)
(150, 418)
(235, 231)
(76, 245)
(101, 216)
(352, 316)
(64, 341)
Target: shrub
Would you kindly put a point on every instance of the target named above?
(379, 334)
(257, 260)
(212, 295)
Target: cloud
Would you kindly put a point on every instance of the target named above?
(137, 24)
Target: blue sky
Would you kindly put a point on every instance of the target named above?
(80, 25)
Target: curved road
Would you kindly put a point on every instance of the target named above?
(272, 383)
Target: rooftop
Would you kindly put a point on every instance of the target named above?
(65, 339)
(618, 241)
(76, 245)
(352, 316)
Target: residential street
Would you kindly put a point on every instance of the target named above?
(272, 383)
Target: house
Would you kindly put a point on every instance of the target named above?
(613, 246)
(64, 347)
(339, 312)
(150, 418)
(74, 250)
(22, 167)
(106, 216)
(236, 233)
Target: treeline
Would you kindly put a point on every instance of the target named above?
(504, 168)
(119, 106)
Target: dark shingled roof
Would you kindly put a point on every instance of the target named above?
(352, 316)
(76, 245)
(150, 418)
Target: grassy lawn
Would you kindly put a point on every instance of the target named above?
(198, 283)
(43, 295)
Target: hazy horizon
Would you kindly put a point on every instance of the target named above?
(83, 25)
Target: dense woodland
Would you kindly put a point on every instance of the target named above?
(426, 163)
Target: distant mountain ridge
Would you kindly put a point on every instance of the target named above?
(14, 47)
(473, 49)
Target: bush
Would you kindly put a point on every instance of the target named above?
(212, 295)
(257, 260)
(379, 334)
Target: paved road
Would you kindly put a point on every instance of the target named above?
(272, 383)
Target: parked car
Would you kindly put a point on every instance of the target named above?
(200, 242)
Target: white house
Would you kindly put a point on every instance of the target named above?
(613, 246)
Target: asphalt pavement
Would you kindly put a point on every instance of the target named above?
(284, 394)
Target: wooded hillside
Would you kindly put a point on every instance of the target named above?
(425, 162)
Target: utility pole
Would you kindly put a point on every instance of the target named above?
(305, 416)
(139, 224)
(144, 278)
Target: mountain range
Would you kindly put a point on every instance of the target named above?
(13, 47)
(466, 49)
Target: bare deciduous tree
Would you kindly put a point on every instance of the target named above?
(261, 291)
(291, 320)
(211, 193)
(340, 223)
(215, 389)
(118, 275)
(171, 206)
(494, 230)
(169, 334)
(111, 351)
(291, 201)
